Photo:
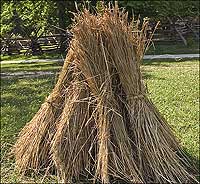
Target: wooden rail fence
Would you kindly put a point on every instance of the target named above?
(180, 31)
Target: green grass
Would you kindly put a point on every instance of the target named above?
(42, 66)
(23, 57)
(173, 48)
(20, 100)
(173, 87)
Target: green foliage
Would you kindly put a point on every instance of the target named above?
(162, 9)
(34, 15)
(6, 18)
(29, 17)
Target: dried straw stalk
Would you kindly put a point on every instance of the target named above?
(156, 146)
(98, 124)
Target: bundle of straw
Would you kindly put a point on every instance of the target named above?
(33, 145)
(98, 124)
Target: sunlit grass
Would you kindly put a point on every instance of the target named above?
(174, 88)
(24, 57)
(43, 66)
(20, 100)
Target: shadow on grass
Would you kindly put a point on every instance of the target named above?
(161, 47)
(47, 55)
(54, 66)
(25, 87)
(146, 75)
(20, 99)
(164, 62)
(35, 64)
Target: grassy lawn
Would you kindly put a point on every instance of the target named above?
(173, 48)
(173, 86)
(43, 66)
(20, 99)
(22, 57)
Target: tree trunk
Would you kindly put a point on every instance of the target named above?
(35, 48)
(61, 22)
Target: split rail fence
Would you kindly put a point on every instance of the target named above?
(180, 31)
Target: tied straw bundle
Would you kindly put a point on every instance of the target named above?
(98, 123)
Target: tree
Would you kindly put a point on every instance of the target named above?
(162, 9)
(30, 19)
(64, 20)
(165, 11)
